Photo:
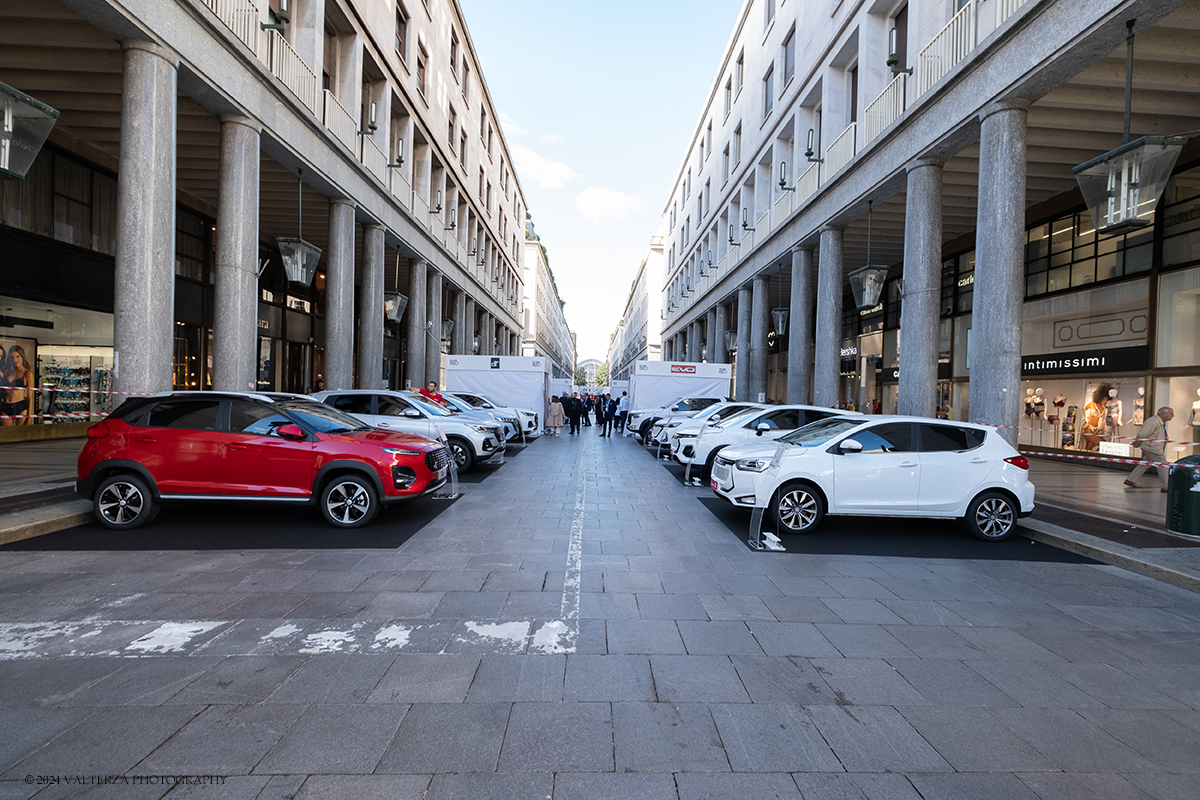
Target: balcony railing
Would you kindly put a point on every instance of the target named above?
(242, 17)
(950, 46)
(839, 153)
(420, 209)
(400, 187)
(807, 186)
(339, 121)
(1005, 9)
(374, 159)
(781, 209)
(884, 110)
(292, 70)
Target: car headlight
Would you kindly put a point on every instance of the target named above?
(400, 451)
(482, 429)
(674, 424)
(685, 436)
(753, 464)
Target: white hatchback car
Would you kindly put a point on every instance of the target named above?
(524, 419)
(754, 426)
(882, 466)
(661, 431)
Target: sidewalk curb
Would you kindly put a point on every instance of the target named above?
(38, 522)
(1108, 552)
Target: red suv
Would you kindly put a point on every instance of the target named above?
(231, 446)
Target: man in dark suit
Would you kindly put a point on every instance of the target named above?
(574, 408)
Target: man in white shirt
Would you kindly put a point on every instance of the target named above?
(1151, 438)
(622, 411)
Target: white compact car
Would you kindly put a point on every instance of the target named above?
(523, 418)
(756, 425)
(641, 420)
(470, 440)
(882, 466)
(661, 431)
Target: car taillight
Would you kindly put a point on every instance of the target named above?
(98, 431)
(1018, 461)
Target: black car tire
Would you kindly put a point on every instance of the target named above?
(124, 502)
(349, 501)
(708, 463)
(798, 508)
(992, 517)
(644, 432)
(462, 452)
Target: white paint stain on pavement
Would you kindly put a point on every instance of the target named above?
(282, 632)
(552, 637)
(170, 637)
(391, 637)
(512, 633)
(25, 639)
(328, 642)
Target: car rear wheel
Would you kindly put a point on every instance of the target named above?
(124, 502)
(349, 501)
(464, 456)
(992, 516)
(798, 508)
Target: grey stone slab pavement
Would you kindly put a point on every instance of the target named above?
(507, 650)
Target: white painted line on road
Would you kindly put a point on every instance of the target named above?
(170, 637)
(562, 635)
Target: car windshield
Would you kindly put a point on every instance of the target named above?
(820, 431)
(321, 417)
(732, 420)
(432, 409)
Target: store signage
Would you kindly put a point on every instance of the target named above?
(849, 352)
(495, 363)
(270, 321)
(1087, 362)
(869, 311)
(892, 374)
(967, 281)
(682, 369)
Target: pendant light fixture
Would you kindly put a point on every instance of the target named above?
(299, 257)
(867, 282)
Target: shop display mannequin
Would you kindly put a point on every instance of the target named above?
(1093, 416)
(1039, 410)
(1194, 420)
(1029, 402)
(1112, 414)
(1059, 401)
(1139, 408)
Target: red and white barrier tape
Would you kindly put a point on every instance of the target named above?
(79, 389)
(1133, 461)
(1105, 436)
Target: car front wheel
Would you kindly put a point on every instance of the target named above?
(349, 501)
(992, 516)
(464, 456)
(124, 502)
(798, 508)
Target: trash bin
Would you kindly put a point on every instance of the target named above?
(1183, 496)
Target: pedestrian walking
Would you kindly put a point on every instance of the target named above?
(602, 420)
(608, 407)
(574, 408)
(554, 421)
(622, 411)
(1151, 437)
(588, 403)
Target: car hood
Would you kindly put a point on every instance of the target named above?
(751, 450)
(387, 438)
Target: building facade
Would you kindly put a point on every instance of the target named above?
(199, 138)
(638, 335)
(917, 136)
(544, 325)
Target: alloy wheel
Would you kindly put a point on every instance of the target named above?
(798, 509)
(348, 502)
(121, 502)
(994, 517)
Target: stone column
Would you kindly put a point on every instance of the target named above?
(339, 297)
(415, 326)
(144, 286)
(694, 342)
(744, 312)
(710, 325)
(800, 322)
(999, 268)
(760, 326)
(487, 334)
(668, 349)
(827, 347)
(469, 324)
(433, 327)
(370, 311)
(235, 312)
(717, 339)
(920, 309)
(459, 343)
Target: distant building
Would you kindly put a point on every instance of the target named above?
(544, 330)
(637, 336)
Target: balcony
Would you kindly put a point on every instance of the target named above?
(374, 160)
(242, 17)
(291, 69)
(841, 151)
(400, 187)
(884, 110)
(339, 122)
(950, 46)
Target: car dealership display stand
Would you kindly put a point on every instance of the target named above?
(453, 493)
(758, 539)
(697, 481)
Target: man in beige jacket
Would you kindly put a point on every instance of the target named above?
(1151, 438)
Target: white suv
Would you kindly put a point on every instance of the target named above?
(757, 425)
(470, 440)
(882, 466)
(641, 420)
(661, 431)
(524, 419)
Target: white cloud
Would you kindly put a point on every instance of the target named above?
(545, 173)
(511, 128)
(552, 137)
(598, 203)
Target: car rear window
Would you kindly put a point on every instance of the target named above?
(194, 415)
(944, 438)
(351, 403)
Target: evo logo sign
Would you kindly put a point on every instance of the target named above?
(682, 369)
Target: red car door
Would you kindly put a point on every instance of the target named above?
(180, 445)
(259, 462)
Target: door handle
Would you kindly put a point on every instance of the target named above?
(237, 447)
(385, 424)
(147, 439)
(908, 464)
(979, 460)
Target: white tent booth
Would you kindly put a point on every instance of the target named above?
(517, 381)
(654, 383)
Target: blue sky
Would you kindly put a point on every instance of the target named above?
(598, 101)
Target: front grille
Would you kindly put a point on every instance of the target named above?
(436, 459)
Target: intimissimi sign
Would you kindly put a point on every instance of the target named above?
(1086, 362)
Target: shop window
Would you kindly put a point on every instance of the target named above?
(72, 202)
(190, 245)
(1178, 319)
(1066, 254)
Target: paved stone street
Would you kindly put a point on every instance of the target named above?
(581, 625)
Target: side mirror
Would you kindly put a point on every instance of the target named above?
(411, 413)
(762, 428)
(848, 446)
(292, 432)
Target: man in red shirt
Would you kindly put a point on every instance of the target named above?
(431, 392)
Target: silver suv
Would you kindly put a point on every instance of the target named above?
(470, 440)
